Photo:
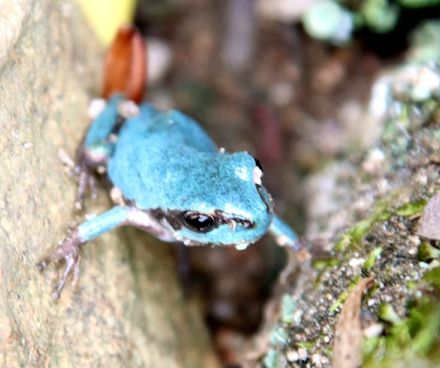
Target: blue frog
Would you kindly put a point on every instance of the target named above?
(172, 181)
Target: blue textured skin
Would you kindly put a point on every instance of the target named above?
(165, 161)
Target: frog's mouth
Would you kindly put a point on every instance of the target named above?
(190, 243)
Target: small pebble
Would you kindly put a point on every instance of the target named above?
(373, 330)
(302, 352)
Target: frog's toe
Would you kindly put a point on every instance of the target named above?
(72, 262)
(93, 188)
(68, 251)
(42, 265)
(66, 160)
(86, 183)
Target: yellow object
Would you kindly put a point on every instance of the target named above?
(106, 16)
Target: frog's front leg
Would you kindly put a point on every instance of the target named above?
(283, 234)
(68, 250)
(98, 143)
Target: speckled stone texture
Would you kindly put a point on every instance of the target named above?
(127, 309)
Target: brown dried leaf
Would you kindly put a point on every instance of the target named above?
(429, 224)
(125, 65)
(347, 348)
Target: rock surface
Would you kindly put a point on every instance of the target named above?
(368, 220)
(127, 308)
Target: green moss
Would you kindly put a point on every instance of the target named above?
(354, 237)
(412, 342)
(307, 344)
(411, 209)
(343, 242)
(427, 252)
(387, 313)
(418, 3)
(372, 346)
(358, 231)
(339, 301)
(380, 15)
(425, 41)
(424, 325)
(343, 296)
(372, 257)
(433, 277)
(323, 264)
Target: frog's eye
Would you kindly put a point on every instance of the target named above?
(199, 222)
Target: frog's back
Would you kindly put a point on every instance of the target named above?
(151, 147)
(164, 128)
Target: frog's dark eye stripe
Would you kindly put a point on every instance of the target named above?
(199, 222)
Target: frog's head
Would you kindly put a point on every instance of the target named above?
(223, 202)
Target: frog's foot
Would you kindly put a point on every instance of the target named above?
(293, 244)
(68, 250)
(284, 235)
